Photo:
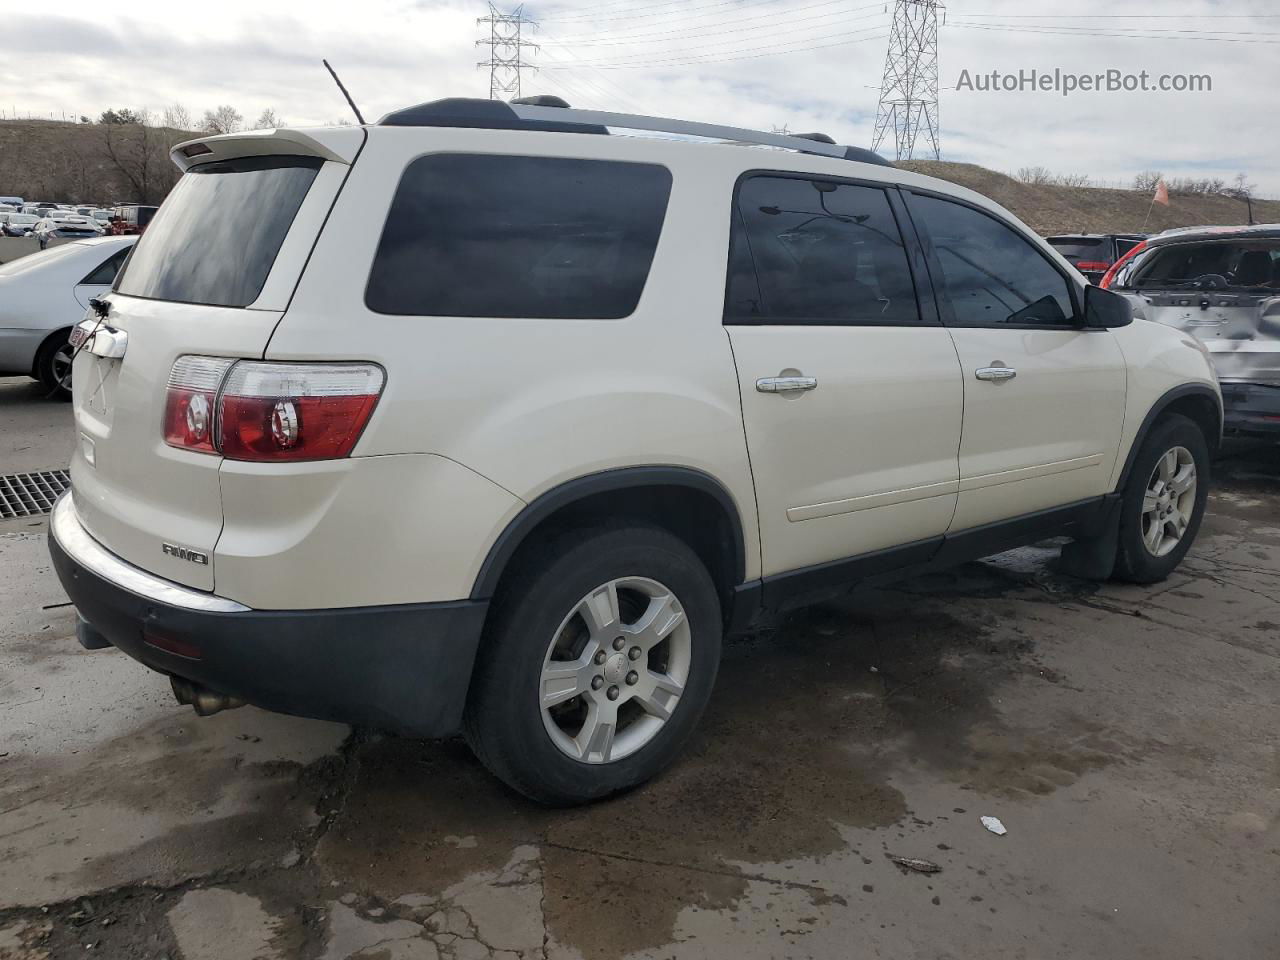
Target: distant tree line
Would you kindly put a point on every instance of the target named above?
(1240, 187)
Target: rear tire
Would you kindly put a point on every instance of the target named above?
(53, 365)
(598, 660)
(1163, 501)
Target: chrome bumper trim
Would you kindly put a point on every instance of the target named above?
(65, 527)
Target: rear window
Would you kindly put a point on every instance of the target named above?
(473, 235)
(1082, 248)
(1213, 265)
(217, 235)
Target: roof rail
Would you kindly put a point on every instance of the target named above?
(522, 115)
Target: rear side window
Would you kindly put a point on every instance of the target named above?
(991, 274)
(217, 235)
(105, 272)
(478, 235)
(816, 252)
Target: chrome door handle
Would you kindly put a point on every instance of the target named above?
(997, 374)
(786, 384)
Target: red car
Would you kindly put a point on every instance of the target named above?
(131, 218)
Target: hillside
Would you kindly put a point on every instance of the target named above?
(51, 160)
(1050, 209)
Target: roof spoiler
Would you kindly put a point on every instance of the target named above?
(339, 144)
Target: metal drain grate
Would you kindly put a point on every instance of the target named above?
(31, 494)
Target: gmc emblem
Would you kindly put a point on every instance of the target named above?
(182, 553)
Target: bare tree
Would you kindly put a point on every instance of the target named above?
(1241, 188)
(268, 120)
(225, 119)
(1034, 175)
(1073, 180)
(1147, 180)
(178, 117)
(139, 153)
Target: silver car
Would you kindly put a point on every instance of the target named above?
(1222, 286)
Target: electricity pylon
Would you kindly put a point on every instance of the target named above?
(505, 49)
(909, 91)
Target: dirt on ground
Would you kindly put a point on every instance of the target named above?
(1127, 737)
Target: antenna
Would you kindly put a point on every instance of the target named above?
(354, 108)
(909, 90)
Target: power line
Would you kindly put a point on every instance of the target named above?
(1082, 32)
(715, 28)
(506, 47)
(1128, 16)
(606, 87)
(678, 15)
(909, 91)
(765, 52)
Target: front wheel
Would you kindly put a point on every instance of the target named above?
(1164, 501)
(599, 661)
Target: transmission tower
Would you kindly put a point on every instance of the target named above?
(909, 90)
(505, 48)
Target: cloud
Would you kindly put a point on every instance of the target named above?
(711, 60)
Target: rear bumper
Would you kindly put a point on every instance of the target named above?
(1252, 408)
(404, 668)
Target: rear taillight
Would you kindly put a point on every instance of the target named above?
(190, 400)
(1110, 277)
(270, 411)
(1092, 266)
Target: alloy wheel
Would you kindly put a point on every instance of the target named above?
(60, 363)
(615, 670)
(1169, 501)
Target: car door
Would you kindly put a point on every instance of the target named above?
(851, 395)
(1044, 397)
(98, 280)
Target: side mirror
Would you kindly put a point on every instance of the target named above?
(1104, 310)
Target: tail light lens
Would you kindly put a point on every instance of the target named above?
(296, 411)
(190, 400)
(270, 411)
(1092, 266)
(1110, 278)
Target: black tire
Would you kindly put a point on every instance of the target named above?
(504, 720)
(1135, 562)
(47, 363)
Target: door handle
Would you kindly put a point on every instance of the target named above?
(786, 384)
(997, 374)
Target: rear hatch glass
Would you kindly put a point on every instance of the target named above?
(218, 233)
(1076, 249)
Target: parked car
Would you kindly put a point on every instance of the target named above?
(131, 219)
(487, 420)
(1094, 253)
(1222, 286)
(102, 216)
(61, 225)
(13, 203)
(42, 296)
(17, 224)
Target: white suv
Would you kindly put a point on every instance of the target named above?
(513, 457)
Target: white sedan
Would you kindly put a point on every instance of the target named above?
(42, 296)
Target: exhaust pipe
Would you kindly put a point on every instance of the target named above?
(204, 701)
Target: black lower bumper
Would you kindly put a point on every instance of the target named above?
(1252, 408)
(401, 668)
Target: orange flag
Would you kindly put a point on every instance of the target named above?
(1162, 194)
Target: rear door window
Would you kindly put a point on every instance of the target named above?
(217, 235)
(806, 251)
(991, 275)
(479, 235)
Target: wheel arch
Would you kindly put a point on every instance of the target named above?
(1197, 402)
(691, 504)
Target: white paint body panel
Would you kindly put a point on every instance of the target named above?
(481, 416)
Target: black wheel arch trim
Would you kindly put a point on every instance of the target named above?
(607, 481)
(1160, 407)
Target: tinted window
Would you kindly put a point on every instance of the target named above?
(1082, 248)
(218, 233)
(105, 272)
(539, 237)
(991, 274)
(811, 251)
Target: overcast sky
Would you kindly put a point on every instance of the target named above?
(808, 64)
